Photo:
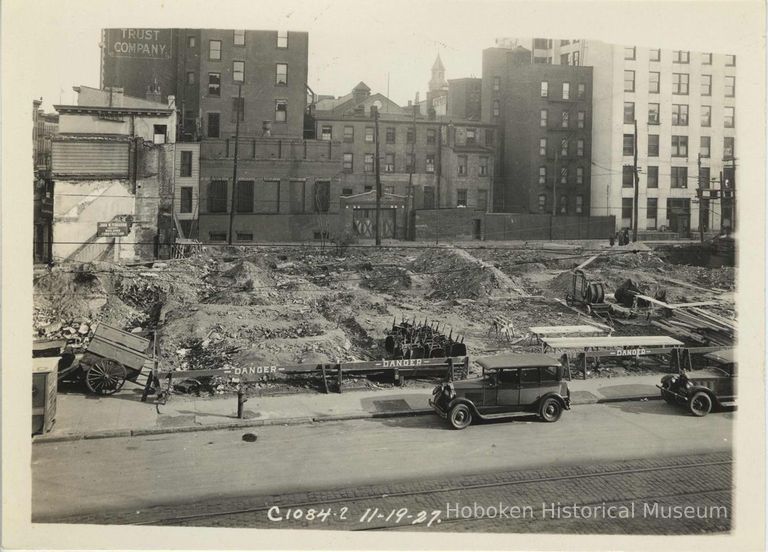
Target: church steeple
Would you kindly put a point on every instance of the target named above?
(437, 82)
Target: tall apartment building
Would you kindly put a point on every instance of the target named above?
(684, 105)
(544, 113)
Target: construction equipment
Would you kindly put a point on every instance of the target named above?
(422, 340)
(590, 294)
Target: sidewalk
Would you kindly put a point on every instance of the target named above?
(81, 416)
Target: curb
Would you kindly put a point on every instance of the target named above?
(299, 420)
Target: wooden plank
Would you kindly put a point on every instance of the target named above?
(612, 341)
(691, 286)
(588, 262)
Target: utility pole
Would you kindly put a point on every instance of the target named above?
(378, 174)
(637, 188)
(234, 169)
(700, 193)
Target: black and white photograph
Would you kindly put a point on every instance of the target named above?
(384, 275)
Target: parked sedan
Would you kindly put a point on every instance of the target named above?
(702, 390)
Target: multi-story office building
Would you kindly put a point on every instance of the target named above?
(544, 114)
(684, 105)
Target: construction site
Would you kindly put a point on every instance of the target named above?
(230, 307)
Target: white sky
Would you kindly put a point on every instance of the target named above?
(350, 42)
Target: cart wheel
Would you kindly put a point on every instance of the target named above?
(105, 376)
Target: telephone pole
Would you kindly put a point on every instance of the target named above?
(234, 169)
(637, 188)
(378, 174)
(700, 193)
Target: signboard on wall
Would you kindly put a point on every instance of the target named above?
(139, 43)
(112, 229)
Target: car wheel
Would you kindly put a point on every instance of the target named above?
(700, 404)
(460, 416)
(551, 409)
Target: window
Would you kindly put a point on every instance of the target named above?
(706, 59)
(679, 177)
(564, 42)
(564, 147)
(651, 212)
(627, 177)
(579, 211)
(347, 191)
(347, 162)
(653, 114)
(566, 90)
(244, 198)
(679, 146)
(704, 177)
(244, 236)
(430, 168)
(186, 199)
(544, 89)
(268, 196)
(367, 188)
(281, 111)
(543, 114)
(728, 147)
(654, 54)
(322, 196)
(654, 82)
(496, 108)
(489, 137)
(580, 148)
(581, 90)
(190, 77)
(326, 133)
(214, 50)
(565, 59)
(564, 175)
(542, 202)
(679, 115)
(431, 134)
(410, 162)
(191, 42)
(576, 58)
(653, 145)
(238, 38)
(482, 200)
(564, 119)
(483, 166)
(217, 236)
(461, 197)
(680, 56)
(186, 164)
(368, 163)
(217, 196)
(471, 134)
(542, 146)
(730, 60)
(410, 136)
(429, 197)
(728, 115)
(496, 84)
(282, 39)
(462, 165)
(214, 84)
(563, 207)
(652, 178)
(349, 134)
(213, 125)
(706, 115)
(580, 175)
(629, 81)
(629, 144)
(730, 87)
(238, 108)
(542, 175)
(390, 135)
(629, 52)
(238, 71)
(626, 208)
(629, 112)
(281, 74)
(706, 85)
(369, 135)
(680, 83)
(581, 119)
(389, 162)
(704, 146)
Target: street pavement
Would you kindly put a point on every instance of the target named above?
(75, 478)
(80, 415)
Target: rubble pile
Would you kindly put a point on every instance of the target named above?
(453, 277)
(386, 278)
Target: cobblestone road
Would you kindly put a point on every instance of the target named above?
(679, 495)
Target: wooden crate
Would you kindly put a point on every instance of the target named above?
(44, 394)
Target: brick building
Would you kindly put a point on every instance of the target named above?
(544, 113)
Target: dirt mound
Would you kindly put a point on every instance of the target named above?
(385, 278)
(455, 277)
(561, 284)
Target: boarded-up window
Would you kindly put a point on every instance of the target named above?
(217, 196)
(268, 197)
(296, 196)
(244, 196)
(322, 196)
(186, 200)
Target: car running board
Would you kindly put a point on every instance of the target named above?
(728, 404)
(502, 415)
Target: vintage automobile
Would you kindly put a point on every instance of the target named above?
(702, 390)
(511, 384)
